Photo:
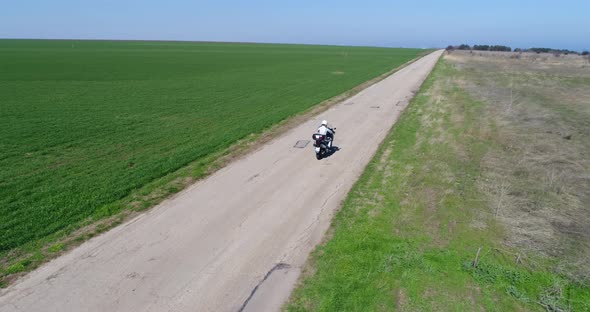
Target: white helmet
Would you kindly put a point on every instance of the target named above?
(324, 123)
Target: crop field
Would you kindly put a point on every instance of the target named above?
(85, 123)
(477, 201)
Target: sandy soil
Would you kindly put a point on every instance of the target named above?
(234, 241)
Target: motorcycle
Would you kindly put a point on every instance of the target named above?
(322, 144)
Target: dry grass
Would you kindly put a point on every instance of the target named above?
(538, 176)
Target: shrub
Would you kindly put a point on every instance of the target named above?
(484, 47)
(500, 48)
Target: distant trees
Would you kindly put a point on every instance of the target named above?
(503, 48)
(539, 50)
(500, 48)
(485, 47)
(482, 47)
(459, 47)
(553, 51)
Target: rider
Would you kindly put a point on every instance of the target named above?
(327, 131)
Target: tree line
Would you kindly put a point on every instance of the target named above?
(485, 47)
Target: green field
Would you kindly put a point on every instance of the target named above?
(408, 234)
(85, 123)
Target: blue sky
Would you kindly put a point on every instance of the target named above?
(557, 24)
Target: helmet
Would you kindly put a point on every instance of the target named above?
(324, 123)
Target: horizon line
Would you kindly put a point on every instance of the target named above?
(220, 41)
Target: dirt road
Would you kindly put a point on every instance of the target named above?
(235, 240)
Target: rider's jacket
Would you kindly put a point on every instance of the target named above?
(323, 130)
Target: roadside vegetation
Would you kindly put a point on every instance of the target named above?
(476, 201)
(93, 128)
